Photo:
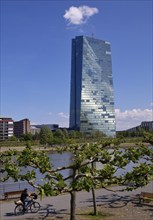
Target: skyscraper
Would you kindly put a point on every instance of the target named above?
(92, 96)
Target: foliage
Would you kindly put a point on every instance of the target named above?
(46, 135)
(84, 173)
(65, 132)
(139, 133)
(86, 177)
(65, 136)
(12, 138)
(97, 134)
(27, 137)
(60, 136)
(59, 133)
(148, 137)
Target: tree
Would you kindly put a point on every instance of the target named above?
(98, 134)
(73, 134)
(12, 138)
(59, 134)
(84, 175)
(46, 135)
(36, 136)
(148, 137)
(27, 137)
(66, 134)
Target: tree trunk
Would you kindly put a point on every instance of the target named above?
(93, 195)
(94, 201)
(73, 205)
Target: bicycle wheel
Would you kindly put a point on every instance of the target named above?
(35, 206)
(19, 210)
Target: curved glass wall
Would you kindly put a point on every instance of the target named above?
(92, 96)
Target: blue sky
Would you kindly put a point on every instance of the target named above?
(36, 56)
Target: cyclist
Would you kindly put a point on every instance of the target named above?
(24, 197)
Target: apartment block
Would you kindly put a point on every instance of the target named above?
(21, 127)
(6, 128)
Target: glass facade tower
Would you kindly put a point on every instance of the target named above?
(91, 95)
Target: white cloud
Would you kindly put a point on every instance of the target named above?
(63, 119)
(131, 118)
(33, 123)
(79, 15)
(63, 115)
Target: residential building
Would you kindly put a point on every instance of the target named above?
(21, 127)
(6, 128)
(91, 95)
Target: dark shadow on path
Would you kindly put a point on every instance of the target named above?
(117, 201)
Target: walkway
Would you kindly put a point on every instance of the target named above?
(120, 206)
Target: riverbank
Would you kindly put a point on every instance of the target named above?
(54, 148)
(21, 148)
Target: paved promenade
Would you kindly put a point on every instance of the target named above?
(108, 200)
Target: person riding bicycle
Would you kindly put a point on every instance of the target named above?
(24, 196)
(26, 202)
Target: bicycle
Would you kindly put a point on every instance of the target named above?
(31, 205)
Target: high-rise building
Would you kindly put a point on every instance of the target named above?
(92, 96)
(6, 128)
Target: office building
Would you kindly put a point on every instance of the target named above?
(6, 128)
(34, 130)
(52, 127)
(92, 96)
(21, 127)
(146, 125)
